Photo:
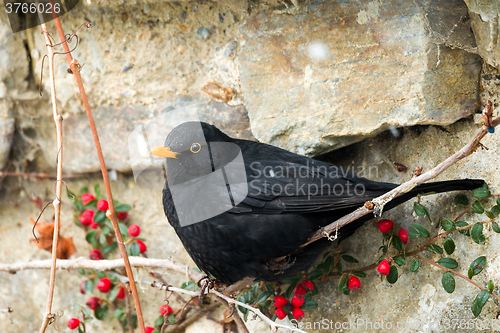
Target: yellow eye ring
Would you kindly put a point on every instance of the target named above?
(195, 148)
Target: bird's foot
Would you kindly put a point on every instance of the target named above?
(206, 283)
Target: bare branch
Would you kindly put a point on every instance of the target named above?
(381, 201)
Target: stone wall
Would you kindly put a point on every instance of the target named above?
(310, 78)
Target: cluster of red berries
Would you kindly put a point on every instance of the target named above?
(134, 230)
(87, 217)
(283, 307)
(385, 225)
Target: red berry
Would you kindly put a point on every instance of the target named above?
(403, 234)
(134, 230)
(82, 287)
(280, 313)
(93, 225)
(86, 198)
(142, 246)
(93, 303)
(102, 205)
(299, 290)
(384, 267)
(385, 225)
(298, 313)
(121, 293)
(308, 285)
(95, 254)
(297, 301)
(166, 310)
(122, 215)
(104, 285)
(354, 283)
(149, 329)
(73, 323)
(87, 217)
(279, 301)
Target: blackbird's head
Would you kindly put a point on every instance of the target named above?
(195, 149)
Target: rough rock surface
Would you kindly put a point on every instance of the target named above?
(349, 71)
(485, 16)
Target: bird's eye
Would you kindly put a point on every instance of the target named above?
(195, 148)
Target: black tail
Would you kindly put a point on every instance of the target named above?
(437, 187)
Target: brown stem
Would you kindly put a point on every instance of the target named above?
(237, 319)
(129, 314)
(111, 214)
(454, 273)
(41, 175)
(57, 201)
(468, 149)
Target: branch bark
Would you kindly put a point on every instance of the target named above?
(111, 213)
(379, 202)
(57, 201)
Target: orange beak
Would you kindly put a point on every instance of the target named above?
(164, 152)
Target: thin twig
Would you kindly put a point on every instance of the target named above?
(129, 314)
(111, 213)
(41, 175)
(380, 201)
(104, 265)
(58, 186)
(454, 273)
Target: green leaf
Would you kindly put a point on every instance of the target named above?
(309, 305)
(489, 214)
(491, 286)
(481, 192)
(86, 311)
(135, 250)
(477, 265)
(399, 260)
(102, 239)
(88, 286)
(461, 224)
(314, 275)
(416, 231)
(495, 210)
(461, 200)
(171, 318)
(97, 190)
(349, 259)
(110, 248)
(81, 271)
(392, 277)
(479, 302)
(397, 243)
(70, 194)
(448, 282)
(477, 207)
(255, 290)
(91, 238)
(342, 285)
(448, 263)
(447, 224)
(360, 274)
(122, 208)
(101, 312)
(438, 249)
(470, 273)
(449, 245)
(291, 280)
(123, 229)
(263, 296)
(495, 227)
(421, 210)
(430, 248)
(84, 190)
(476, 230)
(118, 313)
(248, 297)
(99, 216)
(114, 293)
(159, 321)
(480, 240)
(242, 309)
(415, 265)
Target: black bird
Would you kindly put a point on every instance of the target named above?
(286, 198)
